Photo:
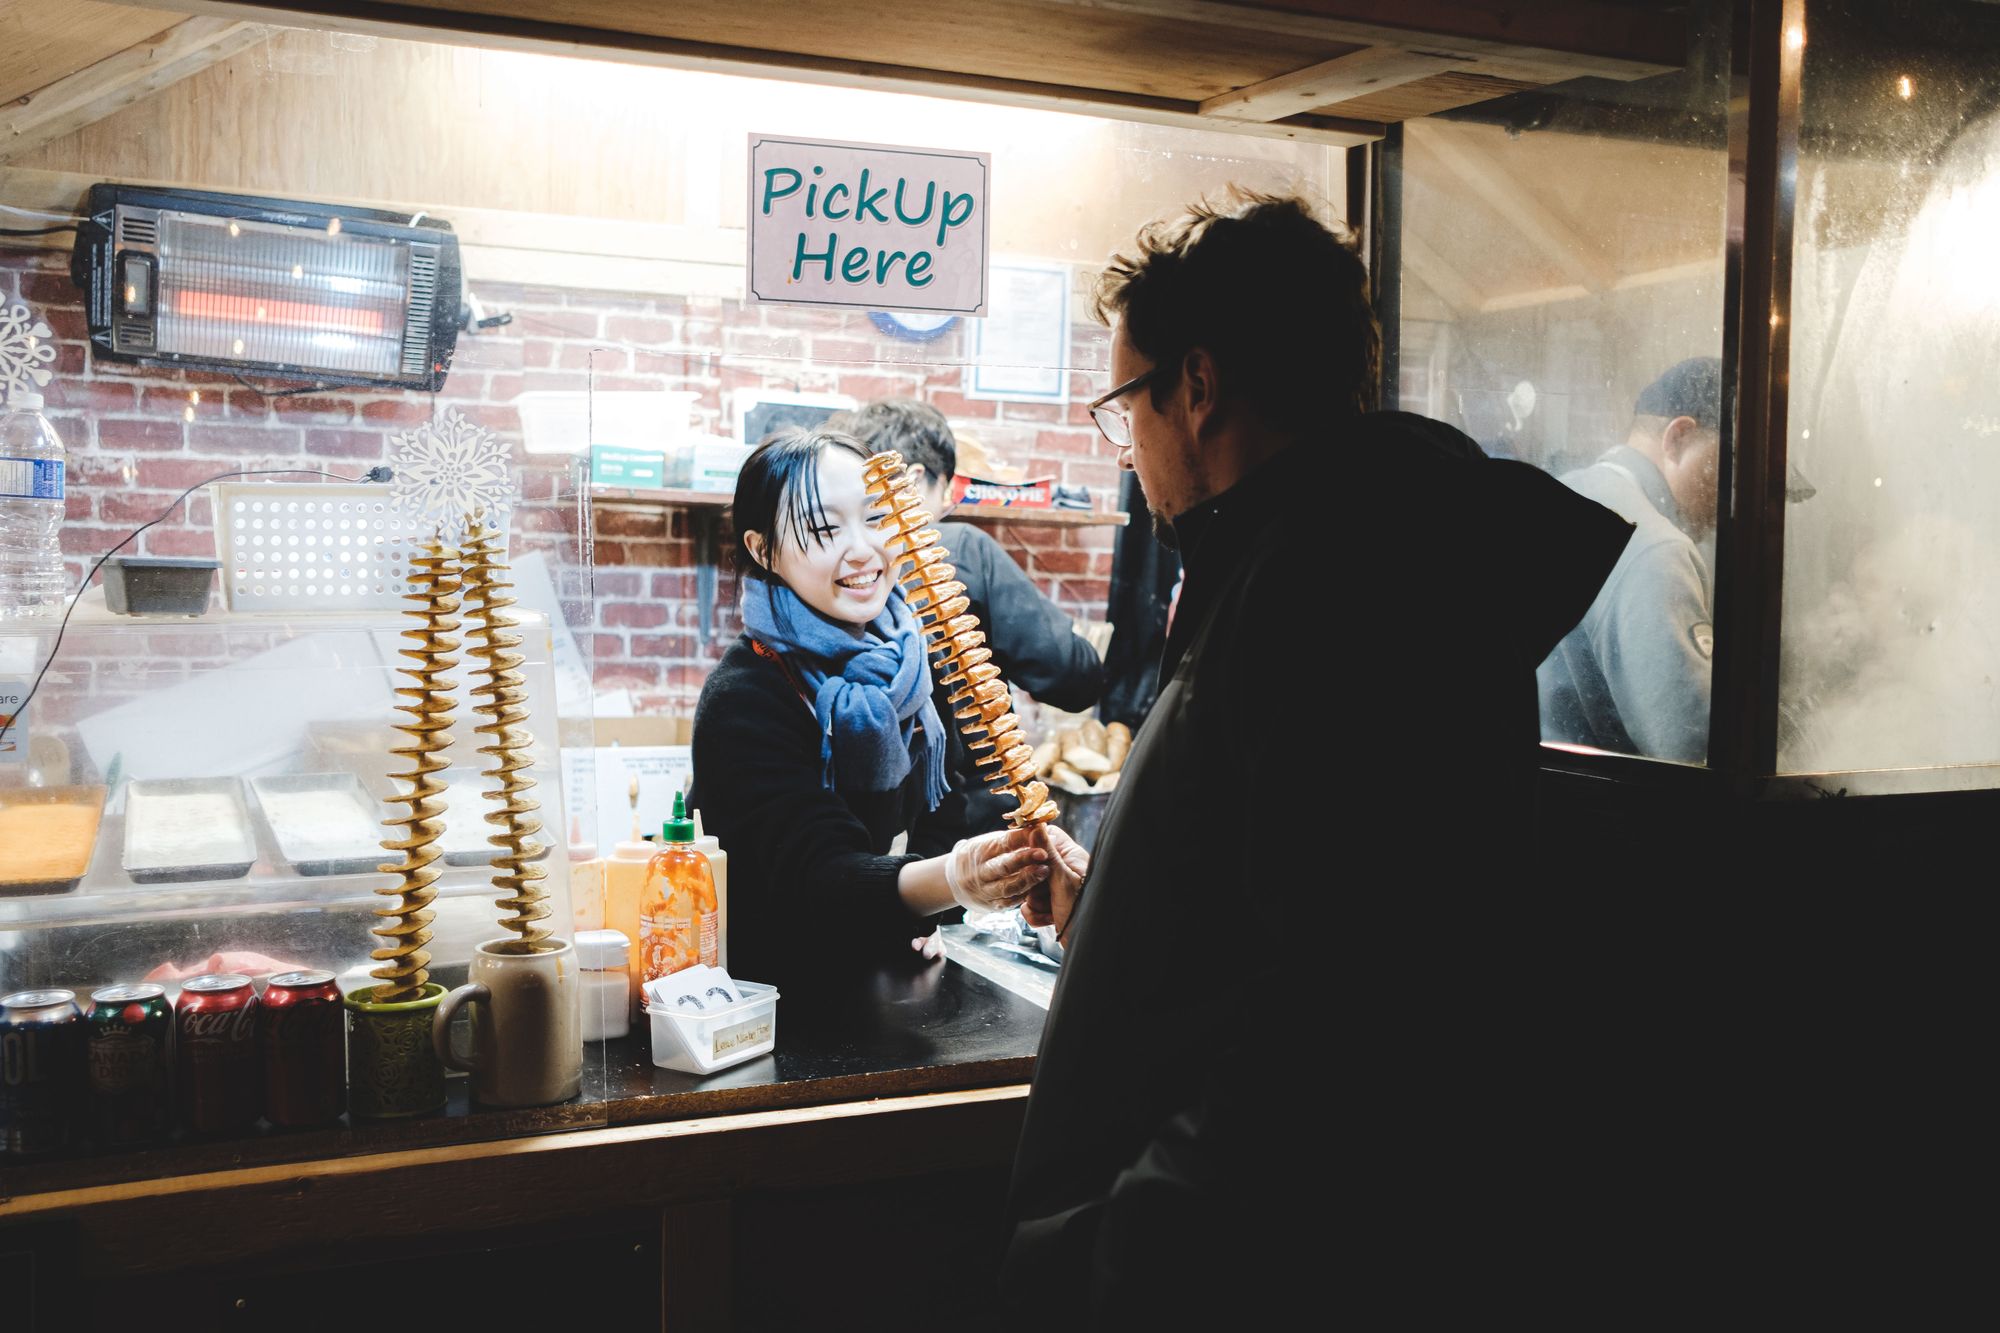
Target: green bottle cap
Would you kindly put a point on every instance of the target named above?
(679, 828)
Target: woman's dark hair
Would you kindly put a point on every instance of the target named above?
(777, 492)
(915, 430)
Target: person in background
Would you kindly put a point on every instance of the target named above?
(818, 739)
(1032, 640)
(1254, 1079)
(1634, 676)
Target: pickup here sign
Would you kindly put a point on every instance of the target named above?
(868, 226)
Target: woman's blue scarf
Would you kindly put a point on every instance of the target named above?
(870, 692)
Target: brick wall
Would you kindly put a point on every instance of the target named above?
(137, 435)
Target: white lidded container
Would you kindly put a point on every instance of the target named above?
(701, 1042)
(602, 957)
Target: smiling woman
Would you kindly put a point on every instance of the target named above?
(818, 740)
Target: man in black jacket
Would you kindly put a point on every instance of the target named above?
(1256, 1073)
(1032, 640)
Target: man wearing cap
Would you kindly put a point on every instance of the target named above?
(1634, 676)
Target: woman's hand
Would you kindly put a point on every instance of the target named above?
(996, 871)
(931, 946)
(1051, 902)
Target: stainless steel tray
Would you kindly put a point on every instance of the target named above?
(323, 823)
(183, 829)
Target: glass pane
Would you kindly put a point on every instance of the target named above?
(1891, 611)
(1562, 272)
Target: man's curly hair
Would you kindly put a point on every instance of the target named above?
(1279, 300)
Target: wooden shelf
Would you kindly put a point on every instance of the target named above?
(1053, 518)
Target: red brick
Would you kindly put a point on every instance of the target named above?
(1070, 444)
(66, 322)
(625, 676)
(179, 542)
(593, 358)
(640, 523)
(558, 323)
(76, 502)
(776, 345)
(624, 583)
(345, 444)
(663, 647)
(309, 409)
(542, 518)
(244, 440)
(71, 360)
(645, 331)
(690, 678)
(539, 352)
(175, 474)
(95, 470)
(868, 388)
(49, 289)
(1060, 561)
(490, 351)
(95, 395)
(958, 405)
(411, 411)
(560, 381)
(610, 553)
(1101, 475)
(701, 335)
(607, 646)
(133, 507)
(150, 436)
(844, 349)
(1044, 412)
(502, 389)
(677, 584)
(633, 615)
(84, 540)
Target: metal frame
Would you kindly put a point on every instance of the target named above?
(1757, 291)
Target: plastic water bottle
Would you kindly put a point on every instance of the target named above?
(33, 581)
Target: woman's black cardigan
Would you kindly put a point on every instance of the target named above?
(812, 886)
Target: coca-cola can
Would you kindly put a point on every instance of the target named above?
(221, 1077)
(131, 1065)
(304, 1040)
(41, 1071)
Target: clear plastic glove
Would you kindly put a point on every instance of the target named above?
(1052, 901)
(931, 946)
(996, 871)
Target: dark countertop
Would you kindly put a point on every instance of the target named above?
(894, 1032)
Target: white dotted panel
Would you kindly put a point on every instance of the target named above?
(292, 547)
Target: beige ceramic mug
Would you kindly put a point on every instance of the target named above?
(527, 1026)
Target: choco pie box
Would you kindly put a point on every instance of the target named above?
(1038, 493)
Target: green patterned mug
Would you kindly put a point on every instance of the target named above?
(391, 1068)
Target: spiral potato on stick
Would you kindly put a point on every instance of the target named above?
(979, 698)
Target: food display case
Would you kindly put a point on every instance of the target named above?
(218, 785)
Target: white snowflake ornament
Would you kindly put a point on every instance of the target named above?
(450, 472)
(26, 352)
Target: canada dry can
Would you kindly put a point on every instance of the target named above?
(304, 1036)
(221, 1079)
(41, 1071)
(131, 1065)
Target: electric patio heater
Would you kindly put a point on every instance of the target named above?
(268, 286)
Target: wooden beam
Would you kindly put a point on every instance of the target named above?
(416, 22)
(118, 81)
(1576, 255)
(1543, 42)
(1353, 75)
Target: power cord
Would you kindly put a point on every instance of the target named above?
(373, 474)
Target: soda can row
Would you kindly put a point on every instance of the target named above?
(217, 1062)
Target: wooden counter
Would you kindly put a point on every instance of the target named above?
(890, 1110)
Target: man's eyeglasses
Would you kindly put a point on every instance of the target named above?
(1113, 422)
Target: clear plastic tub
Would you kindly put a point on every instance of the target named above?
(703, 1042)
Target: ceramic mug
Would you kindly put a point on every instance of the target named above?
(392, 1065)
(527, 1026)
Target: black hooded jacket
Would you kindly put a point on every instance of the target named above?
(1347, 719)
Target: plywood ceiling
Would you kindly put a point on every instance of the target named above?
(1294, 69)
(42, 41)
